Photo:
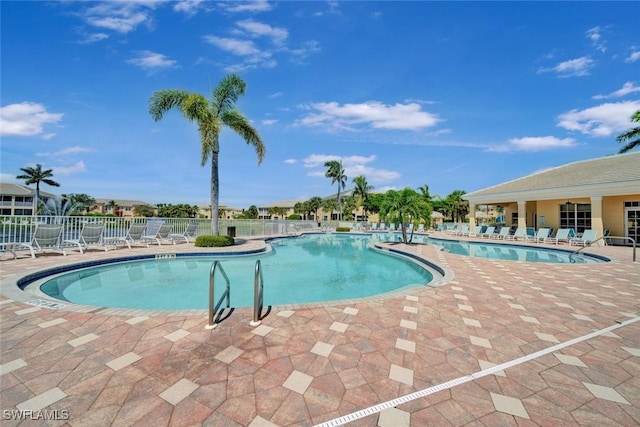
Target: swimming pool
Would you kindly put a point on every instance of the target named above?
(311, 268)
(501, 251)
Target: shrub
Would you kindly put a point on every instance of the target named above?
(343, 229)
(207, 241)
(294, 217)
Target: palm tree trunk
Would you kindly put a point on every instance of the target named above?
(215, 193)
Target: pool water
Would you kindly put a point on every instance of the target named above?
(508, 252)
(312, 268)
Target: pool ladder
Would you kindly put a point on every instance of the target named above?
(258, 294)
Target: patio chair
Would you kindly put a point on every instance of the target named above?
(520, 233)
(45, 236)
(420, 227)
(477, 230)
(463, 231)
(588, 236)
(188, 234)
(90, 235)
(503, 233)
(563, 235)
(162, 235)
(539, 237)
(133, 237)
(488, 232)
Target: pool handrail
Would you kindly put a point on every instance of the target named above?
(212, 285)
(258, 294)
(605, 238)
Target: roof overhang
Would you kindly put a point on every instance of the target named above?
(590, 190)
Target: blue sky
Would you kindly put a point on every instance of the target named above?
(454, 95)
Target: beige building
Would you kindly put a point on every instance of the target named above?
(601, 194)
(118, 207)
(16, 199)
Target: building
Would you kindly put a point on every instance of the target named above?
(16, 199)
(117, 207)
(601, 194)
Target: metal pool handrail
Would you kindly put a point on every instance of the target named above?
(586, 245)
(258, 294)
(212, 280)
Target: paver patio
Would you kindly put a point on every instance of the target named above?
(562, 341)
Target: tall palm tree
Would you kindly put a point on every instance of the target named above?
(335, 171)
(211, 118)
(630, 134)
(36, 176)
(361, 190)
(459, 205)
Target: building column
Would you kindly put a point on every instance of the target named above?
(522, 214)
(472, 216)
(596, 217)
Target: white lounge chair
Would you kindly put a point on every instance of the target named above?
(463, 231)
(45, 236)
(488, 232)
(588, 236)
(90, 235)
(539, 237)
(161, 235)
(188, 235)
(420, 227)
(477, 230)
(520, 233)
(502, 234)
(133, 237)
(562, 235)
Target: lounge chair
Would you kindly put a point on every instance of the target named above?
(477, 230)
(488, 232)
(133, 237)
(588, 236)
(420, 227)
(539, 237)
(90, 235)
(45, 236)
(463, 231)
(161, 235)
(520, 233)
(502, 234)
(563, 235)
(188, 235)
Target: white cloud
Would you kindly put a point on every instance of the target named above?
(25, 119)
(269, 122)
(69, 170)
(93, 38)
(235, 46)
(572, 68)
(188, 7)
(600, 121)
(152, 61)
(372, 113)
(595, 35)
(627, 88)
(290, 161)
(353, 166)
(634, 56)
(66, 151)
(535, 143)
(121, 17)
(248, 6)
(258, 29)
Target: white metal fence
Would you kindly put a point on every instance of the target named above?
(21, 228)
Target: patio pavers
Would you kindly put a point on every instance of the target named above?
(310, 364)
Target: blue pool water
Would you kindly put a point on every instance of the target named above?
(495, 250)
(312, 268)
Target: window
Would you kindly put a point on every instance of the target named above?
(576, 216)
(5, 211)
(514, 218)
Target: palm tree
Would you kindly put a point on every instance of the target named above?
(211, 118)
(405, 206)
(460, 207)
(36, 176)
(361, 191)
(114, 207)
(335, 171)
(630, 134)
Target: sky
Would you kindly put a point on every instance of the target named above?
(453, 95)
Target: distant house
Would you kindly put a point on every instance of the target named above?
(117, 207)
(600, 194)
(16, 199)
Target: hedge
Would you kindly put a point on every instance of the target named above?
(207, 241)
